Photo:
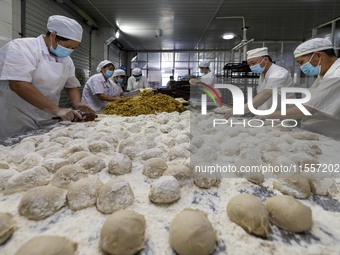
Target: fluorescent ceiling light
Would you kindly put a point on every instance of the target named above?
(228, 36)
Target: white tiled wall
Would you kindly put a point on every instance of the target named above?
(10, 20)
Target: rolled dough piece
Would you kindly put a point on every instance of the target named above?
(165, 190)
(114, 195)
(289, 214)
(7, 226)
(182, 174)
(48, 245)
(36, 176)
(154, 168)
(4, 165)
(120, 164)
(93, 164)
(40, 202)
(123, 233)
(75, 157)
(191, 233)
(53, 164)
(68, 174)
(5, 175)
(297, 186)
(99, 146)
(249, 213)
(83, 193)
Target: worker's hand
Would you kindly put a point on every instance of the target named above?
(69, 114)
(84, 108)
(228, 113)
(193, 81)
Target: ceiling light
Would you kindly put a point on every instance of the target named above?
(117, 34)
(228, 36)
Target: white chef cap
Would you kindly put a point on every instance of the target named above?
(204, 64)
(65, 27)
(313, 45)
(102, 64)
(136, 71)
(258, 52)
(118, 72)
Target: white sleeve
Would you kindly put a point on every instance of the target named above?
(72, 81)
(129, 86)
(96, 86)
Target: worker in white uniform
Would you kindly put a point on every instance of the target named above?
(271, 76)
(99, 89)
(316, 57)
(137, 80)
(33, 72)
(207, 77)
(118, 79)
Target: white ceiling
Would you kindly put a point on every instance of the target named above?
(190, 24)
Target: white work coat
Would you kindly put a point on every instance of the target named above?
(29, 60)
(209, 78)
(325, 98)
(276, 77)
(134, 84)
(98, 85)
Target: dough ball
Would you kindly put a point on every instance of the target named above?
(165, 190)
(256, 178)
(151, 153)
(114, 195)
(251, 154)
(305, 135)
(4, 165)
(321, 186)
(205, 182)
(249, 213)
(40, 202)
(297, 186)
(120, 164)
(75, 157)
(53, 164)
(67, 174)
(125, 143)
(191, 233)
(5, 175)
(182, 174)
(83, 193)
(36, 176)
(99, 146)
(222, 110)
(303, 159)
(30, 160)
(154, 168)
(123, 233)
(289, 214)
(93, 164)
(179, 152)
(7, 226)
(48, 245)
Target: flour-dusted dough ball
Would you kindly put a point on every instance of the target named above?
(30, 160)
(114, 195)
(165, 190)
(7, 226)
(36, 176)
(5, 175)
(303, 135)
(323, 186)
(249, 213)
(206, 180)
(297, 186)
(179, 152)
(93, 164)
(120, 164)
(67, 174)
(48, 245)
(182, 173)
(256, 177)
(191, 233)
(154, 168)
(75, 157)
(83, 193)
(125, 143)
(4, 165)
(53, 164)
(289, 213)
(151, 153)
(99, 146)
(40, 202)
(303, 159)
(123, 233)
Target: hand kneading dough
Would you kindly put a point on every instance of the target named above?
(165, 190)
(48, 245)
(40, 202)
(249, 213)
(120, 164)
(191, 233)
(123, 233)
(7, 226)
(67, 174)
(289, 214)
(83, 193)
(114, 195)
(154, 168)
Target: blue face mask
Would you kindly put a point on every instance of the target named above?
(61, 51)
(120, 81)
(108, 73)
(257, 68)
(310, 70)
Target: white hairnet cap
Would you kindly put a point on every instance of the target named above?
(102, 64)
(313, 45)
(118, 72)
(136, 71)
(65, 27)
(204, 64)
(259, 52)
